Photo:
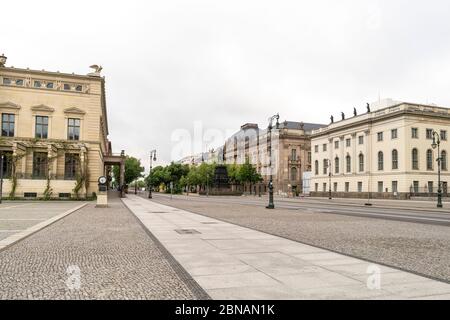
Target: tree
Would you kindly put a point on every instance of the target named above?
(158, 177)
(133, 170)
(247, 174)
(206, 174)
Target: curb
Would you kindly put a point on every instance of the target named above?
(13, 239)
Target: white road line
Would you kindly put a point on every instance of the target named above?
(20, 205)
(13, 219)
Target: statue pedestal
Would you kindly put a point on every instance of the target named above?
(102, 199)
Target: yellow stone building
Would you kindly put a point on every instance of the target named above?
(54, 133)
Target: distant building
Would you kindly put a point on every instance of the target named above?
(54, 132)
(386, 152)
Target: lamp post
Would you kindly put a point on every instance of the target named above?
(437, 143)
(277, 117)
(152, 158)
(329, 179)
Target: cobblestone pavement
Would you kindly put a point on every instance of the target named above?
(419, 248)
(116, 258)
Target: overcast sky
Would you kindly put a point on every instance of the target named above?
(224, 63)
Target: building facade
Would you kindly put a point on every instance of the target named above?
(54, 133)
(385, 153)
(289, 158)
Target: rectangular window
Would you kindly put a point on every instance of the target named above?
(6, 81)
(347, 187)
(416, 186)
(325, 166)
(324, 147)
(41, 127)
(37, 84)
(348, 143)
(335, 187)
(394, 134)
(336, 144)
(360, 186)
(324, 187)
(430, 186)
(394, 186)
(361, 139)
(66, 86)
(380, 186)
(49, 85)
(71, 165)
(73, 131)
(40, 165)
(8, 125)
(316, 187)
(414, 133)
(380, 136)
(444, 135)
(429, 134)
(316, 148)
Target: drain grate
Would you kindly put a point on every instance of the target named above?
(187, 231)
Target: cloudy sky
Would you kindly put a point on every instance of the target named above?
(214, 65)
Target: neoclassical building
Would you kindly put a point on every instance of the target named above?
(386, 152)
(54, 133)
(291, 154)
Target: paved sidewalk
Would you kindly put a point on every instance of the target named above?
(233, 262)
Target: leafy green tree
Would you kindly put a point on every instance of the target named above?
(206, 174)
(158, 177)
(247, 174)
(133, 170)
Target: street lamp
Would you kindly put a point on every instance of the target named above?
(437, 144)
(329, 178)
(1, 176)
(152, 158)
(277, 117)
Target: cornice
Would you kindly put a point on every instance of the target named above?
(74, 110)
(9, 105)
(42, 108)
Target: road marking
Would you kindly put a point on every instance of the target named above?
(20, 205)
(13, 219)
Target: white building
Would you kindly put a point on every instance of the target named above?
(385, 153)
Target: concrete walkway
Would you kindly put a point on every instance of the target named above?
(233, 262)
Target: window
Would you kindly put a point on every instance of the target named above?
(309, 157)
(335, 187)
(415, 159)
(444, 135)
(360, 186)
(7, 163)
(414, 133)
(8, 125)
(294, 154)
(324, 147)
(380, 161)
(316, 148)
(430, 186)
(79, 88)
(444, 160)
(348, 163)
(430, 134)
(380, 136)
(66, 86)
(394, 186)
(394, 159)
(348, 143)
(394, 134)
(347, 187)
(380, 187)
(41, 127)
(19, 82)
(416, 186)
(361, 163)
(37, 84)
(6, 81)
(324, 187)
(429, 159)
(71, 165)
(316, 167)
(49, 85)
(39, 165)
(293, 174)
(73, 129)
(361, 139)
(325, 166)
(336, 144)
(316, 187)
(336, 165)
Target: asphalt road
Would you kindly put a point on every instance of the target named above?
(406, 214)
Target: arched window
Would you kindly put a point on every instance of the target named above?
(444, 160)
(325, 166)
(361, 163)
(380, 161)
(336, 165)
(415, 159)
(394, 159)
(348, 163)
(316, 167)
(429, 159)
(293, 174)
